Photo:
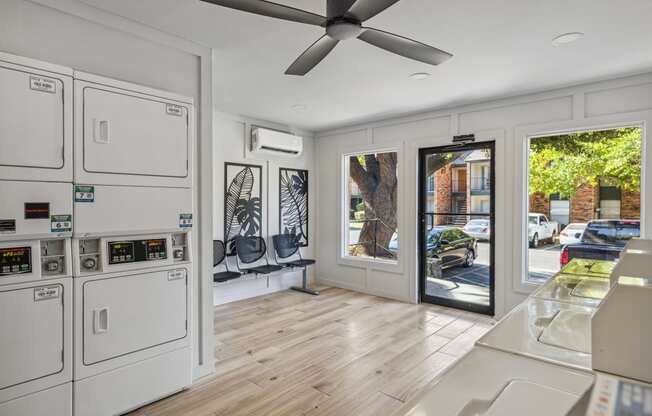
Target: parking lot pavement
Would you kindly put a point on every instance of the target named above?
(477, 274)
(543, 263)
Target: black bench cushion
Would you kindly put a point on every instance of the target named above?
(266, 269)
(225, 276)
(302, 263)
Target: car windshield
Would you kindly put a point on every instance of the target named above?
(433, 236)
(611, 232)
(478, 222)
(576, 226)
(532, 219)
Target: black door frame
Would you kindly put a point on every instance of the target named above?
(422, 190)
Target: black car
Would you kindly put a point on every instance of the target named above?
(452, 246)
(602, 240)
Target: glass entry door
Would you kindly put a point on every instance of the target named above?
(456, 226)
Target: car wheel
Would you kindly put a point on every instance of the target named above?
(535, 240)
(470, 258)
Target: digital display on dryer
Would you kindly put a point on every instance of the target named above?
(137, 251)
(121, 252)
(15, 260)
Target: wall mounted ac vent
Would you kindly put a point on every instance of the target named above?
(272, 142)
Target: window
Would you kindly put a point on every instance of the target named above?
(371, 228)
(584, 197)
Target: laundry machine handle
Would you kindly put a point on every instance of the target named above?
(101, 131)
(100, 320)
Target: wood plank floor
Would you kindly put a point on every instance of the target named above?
(342, 353)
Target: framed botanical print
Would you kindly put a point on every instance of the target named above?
(293, 203)
(243, 202)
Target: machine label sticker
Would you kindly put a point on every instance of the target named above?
(42, 84)
(185, 220)
(174, 110)
(84, 193)
(47, 292)
(61, 223)
(176, 274)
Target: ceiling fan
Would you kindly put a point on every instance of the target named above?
(343, 21)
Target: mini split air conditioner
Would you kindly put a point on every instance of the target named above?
(272, 142)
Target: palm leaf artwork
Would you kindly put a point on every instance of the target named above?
(248, 212)
(293, 201)
(242, 213)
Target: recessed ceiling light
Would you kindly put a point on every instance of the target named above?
(299, 107)
(567, 38)
(420, 75)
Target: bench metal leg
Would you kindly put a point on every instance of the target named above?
(304, 288)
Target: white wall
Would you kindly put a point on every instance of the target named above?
(70, 33)
(231, 134)
(509, 122)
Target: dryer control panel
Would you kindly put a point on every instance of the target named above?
(30, 260)
(114, 254)
(15, 260)
(137, 250)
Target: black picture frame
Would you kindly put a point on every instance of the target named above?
(243, 202)
(293, 201)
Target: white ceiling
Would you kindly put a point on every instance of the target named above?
(501, 48)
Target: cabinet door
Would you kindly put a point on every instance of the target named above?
(31, 323)
(126, 314)
(31, 120)
(131, 135)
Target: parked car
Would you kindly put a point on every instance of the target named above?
(572, 233)
(602, 240)
(539, 227)
(451, 246)
(479, 229)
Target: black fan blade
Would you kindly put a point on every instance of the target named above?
(267, 8)
(312, 56)
(405, 47)
(366, 9)
(337, 8)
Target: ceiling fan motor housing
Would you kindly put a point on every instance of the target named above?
(343, 29)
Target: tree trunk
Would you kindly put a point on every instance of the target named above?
(378, 184)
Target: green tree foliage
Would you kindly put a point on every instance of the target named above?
(561, 164)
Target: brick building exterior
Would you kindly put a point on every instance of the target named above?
(587, 205)
(462, 187)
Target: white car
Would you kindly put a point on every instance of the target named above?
(480, 229)
(572, 233)
(539, 227)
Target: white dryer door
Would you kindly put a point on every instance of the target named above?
(31, 323)
(126, 314)
(31, 120)
(125, 134)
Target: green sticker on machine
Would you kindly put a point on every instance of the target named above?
(61, 223)
(185, 220)
(84, 193)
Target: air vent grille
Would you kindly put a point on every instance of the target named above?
(274, 149)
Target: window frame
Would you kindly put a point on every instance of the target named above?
(392, 266)
(520, 273)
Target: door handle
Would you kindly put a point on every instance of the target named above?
(101, 131)
(100, 320)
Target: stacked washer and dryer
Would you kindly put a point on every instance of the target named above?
(95, 243)
(36, 290)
